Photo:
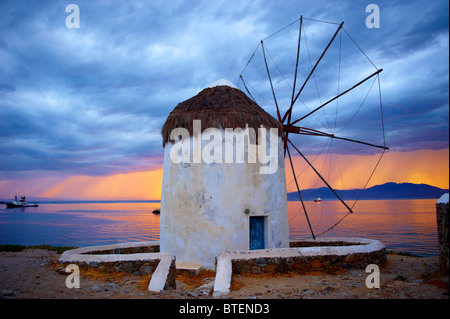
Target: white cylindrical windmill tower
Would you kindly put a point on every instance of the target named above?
(223, 188)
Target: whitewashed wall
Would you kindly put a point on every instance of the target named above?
(203, 207)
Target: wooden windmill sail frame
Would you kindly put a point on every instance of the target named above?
(291, 126)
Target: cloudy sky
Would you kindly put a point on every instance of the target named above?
(84, 106)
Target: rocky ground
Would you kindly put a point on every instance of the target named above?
(34, 273)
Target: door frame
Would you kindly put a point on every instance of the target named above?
(266, 229)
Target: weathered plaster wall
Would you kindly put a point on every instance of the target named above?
(203, 207)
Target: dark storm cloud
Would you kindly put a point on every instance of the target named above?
(93, 100)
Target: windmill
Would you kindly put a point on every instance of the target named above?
(311, 107)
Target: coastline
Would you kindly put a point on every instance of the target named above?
(34, 274)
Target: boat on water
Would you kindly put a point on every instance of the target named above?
(20, 203)
(156, 212)
(318, 200)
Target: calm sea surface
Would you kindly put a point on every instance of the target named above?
(405, 225)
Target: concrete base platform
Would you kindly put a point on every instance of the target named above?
(135, 257)
(319, 255)
(191, 269)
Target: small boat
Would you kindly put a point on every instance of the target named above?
(156, 212)
(20, 203)
(318, 200)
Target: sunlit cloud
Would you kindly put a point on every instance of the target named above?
(81, 109)
(345, 172)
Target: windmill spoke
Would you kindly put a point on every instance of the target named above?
(296, 63)
(323, 180)
(245, 85)
(309, 131)
(337, 96)
(295, 81)
(270, 80)
(286, 134)
(299, 193)
(360, 142)
(305, 131)
(312, 71)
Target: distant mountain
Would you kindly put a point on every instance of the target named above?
(385, 191)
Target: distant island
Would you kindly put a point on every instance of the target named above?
(384, 191)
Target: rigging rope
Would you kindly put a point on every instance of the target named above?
(360, 49)
(248, 62)
(373, 171)
(276, 32)
(276, 65)
(326, 142)
(330, 145)
(362, 103)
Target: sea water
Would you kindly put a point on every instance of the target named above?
(401, 225)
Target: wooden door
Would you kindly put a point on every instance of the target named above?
(257, 232)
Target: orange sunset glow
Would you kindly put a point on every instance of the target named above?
(423, 166)
(132, 186)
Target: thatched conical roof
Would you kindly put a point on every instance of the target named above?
(220, 106)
